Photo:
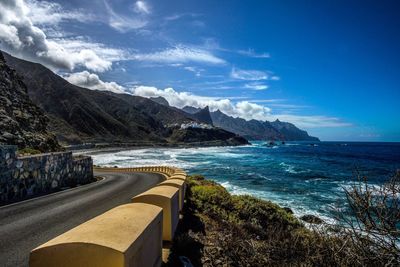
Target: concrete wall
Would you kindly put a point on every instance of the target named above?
(126, 236)
(22, 177)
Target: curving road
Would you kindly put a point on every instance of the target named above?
(28, 224)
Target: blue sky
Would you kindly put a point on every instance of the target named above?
(330, 67)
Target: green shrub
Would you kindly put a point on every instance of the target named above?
(219, 229)
(210, 197)
(28, 151)
(263, 213)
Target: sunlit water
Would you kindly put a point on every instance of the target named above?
(308, 178)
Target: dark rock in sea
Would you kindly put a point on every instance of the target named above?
(270, 144)
(311, 219)
(288, 210)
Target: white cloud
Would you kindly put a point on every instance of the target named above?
(92, 81)
(252, 53)
(196, 71)
(242, 109)
(20, 37)
(76, 44)
(180, 54)
(308, 122)
(256, 86)
(122, 23)
(141, 7)
(44, 12)
(248, 75)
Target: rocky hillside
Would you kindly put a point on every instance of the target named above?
(253, 129)
(218, 137)
(160, 100)
(260, 130)
(291, 132)
(79, 115)
(22, 123)
(202, 115)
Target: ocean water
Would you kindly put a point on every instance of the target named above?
(307, 177)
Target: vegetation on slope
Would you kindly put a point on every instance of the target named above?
(218, 229)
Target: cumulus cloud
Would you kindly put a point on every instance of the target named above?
(243, 109)
(21, 37)
(92, 81)
(180, 54)
(248, 75)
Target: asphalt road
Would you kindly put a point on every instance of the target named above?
(28, 224)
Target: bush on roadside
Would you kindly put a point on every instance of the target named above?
(219, 229)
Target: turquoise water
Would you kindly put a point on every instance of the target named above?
(309, 178)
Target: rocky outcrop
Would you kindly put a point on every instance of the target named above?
(215, 136)
(22, 123)
(309, 218)
(191, 110)
(201, 115)
(160, 100)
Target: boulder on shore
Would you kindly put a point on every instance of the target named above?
(311, 219)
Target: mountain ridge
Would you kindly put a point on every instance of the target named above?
(78, 115)
(254, 129)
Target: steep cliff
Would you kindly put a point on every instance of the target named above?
(22, 123)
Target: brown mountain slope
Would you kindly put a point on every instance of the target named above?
(81, 115)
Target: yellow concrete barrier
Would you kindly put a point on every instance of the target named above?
(126, 236)
(178, 176)
(166, 171)
(181, 185)
(166, 197)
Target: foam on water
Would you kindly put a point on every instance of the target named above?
(306, 178)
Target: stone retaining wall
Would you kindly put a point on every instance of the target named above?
(22, 177)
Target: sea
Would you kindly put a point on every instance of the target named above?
(309, 178)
